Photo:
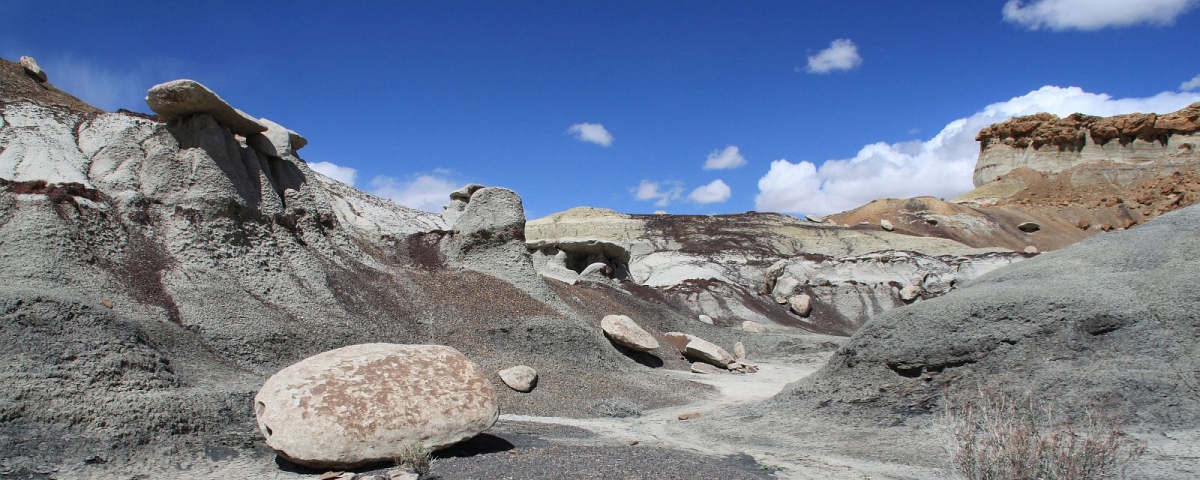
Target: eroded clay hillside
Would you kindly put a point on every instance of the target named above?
(764, 267)
(156, 269)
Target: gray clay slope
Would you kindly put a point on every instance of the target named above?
(143, 305)
(1110, 323)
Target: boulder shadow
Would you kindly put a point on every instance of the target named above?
(287, 466)
(481, 444)
(645, 358)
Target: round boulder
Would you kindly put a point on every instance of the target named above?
(623, 331)
(365, 404)
(520, 378)
(801, 304)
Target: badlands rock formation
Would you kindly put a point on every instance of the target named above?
(1046, 143)
(157, 271)
(1074, 177)
(746, 267)
(1107, 323)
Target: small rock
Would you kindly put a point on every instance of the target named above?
(1084, 224)
(751, 327)
(401, 474)
(689, 416)
(107, 303)
(735, 366)
(801, 304)
(33, 69)
(1031, 249)
(598, 271)
(704, 368)
(706, 351)
(465, 192)
(330, 475)
(751, 368)
(910, 293)
(886, 225)
(781, 300)
(623, 331)
(633, 442)
(520, 378)
(864, 223)
(1029, 227)
(739, 351)
(706, 319)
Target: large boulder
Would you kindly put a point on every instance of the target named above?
(624, 331)
(363, 404)
(33, 69)
(181, 98)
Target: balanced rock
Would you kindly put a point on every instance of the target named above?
(180, 98)
(364, 404)
(277, 141)
(33, 69)
(623, 331)
(704, 368)
(801, 304)
(520, 378)
(752, 327)
(706, 351)
(910, 293)
(886, 225)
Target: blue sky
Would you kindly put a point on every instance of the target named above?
(811, 107)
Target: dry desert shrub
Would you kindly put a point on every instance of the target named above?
(619, 407)
(1002, 436)
(416, 458)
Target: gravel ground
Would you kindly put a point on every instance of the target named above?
(519, 450)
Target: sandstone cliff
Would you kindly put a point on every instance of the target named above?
(1073, 177)
(1047, 143)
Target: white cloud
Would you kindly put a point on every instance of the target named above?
(591, 133)
(423, 192)
(1094, 14)
(842, 54)
(941, 166)
(1190, 85)
(724, 159)
(663, 193)
(715, 192)
(342, 174)
(105, 87)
